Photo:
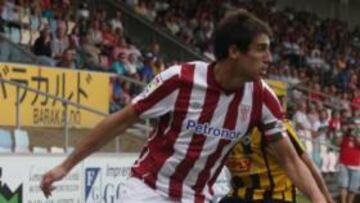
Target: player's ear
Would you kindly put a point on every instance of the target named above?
(233, 52)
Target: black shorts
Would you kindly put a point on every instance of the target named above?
(227, 199)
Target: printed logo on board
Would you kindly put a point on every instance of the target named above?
(8, 196)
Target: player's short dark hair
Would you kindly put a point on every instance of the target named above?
(237, 28)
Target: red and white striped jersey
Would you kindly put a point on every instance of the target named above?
(199, 124)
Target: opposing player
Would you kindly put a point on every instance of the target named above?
(203, 110)
(256, 175)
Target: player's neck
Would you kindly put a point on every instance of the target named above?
(226, 78)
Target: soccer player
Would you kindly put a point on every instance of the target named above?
(256, 175)
(203, 111)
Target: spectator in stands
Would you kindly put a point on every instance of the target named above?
(355, 101)
(141, 8)
(353, 83)
(334, 131)
(83, 11)
(316, 93)
(83, 26)
(74, 39)
(120, 46)
(349, 177)
(68, 59)
(104, 61)
(146, 72)
(134, 65)
(356, 119)
(120, 98)
(116, 22)
(95, 34)
(59, 44)
(314, 118)
(88, 53)
(172, 24)
(320, 138)
(42, 47)
(108, 35)
(11, 14)
(155, 50)
(302, 125)
(119, 64)
(334, 124)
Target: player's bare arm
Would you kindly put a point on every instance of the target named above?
(317, 176)
(105, 131)
(296, 169)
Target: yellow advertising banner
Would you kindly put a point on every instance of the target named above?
(90, 89)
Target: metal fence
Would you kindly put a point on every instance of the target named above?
(139, 128)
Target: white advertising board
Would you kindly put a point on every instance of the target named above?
(21, 175)
(98, 179)
(104, 178)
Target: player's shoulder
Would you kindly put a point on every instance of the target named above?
(265, 86)
(201, 66)
(267, 90)
(179, 68)
(192, 68)
(172, 71)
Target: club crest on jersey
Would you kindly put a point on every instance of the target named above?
(244, 112)
(196, 105)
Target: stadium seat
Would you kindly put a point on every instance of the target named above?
(34, 35)
(25, 37)
(25, 19)
(21, 138)
(15, 35)
(7, 32)
(70, 150)
(39, 150)
(6, 142)
(44, 23)
(57, 150)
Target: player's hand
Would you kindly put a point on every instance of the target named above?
(330, 200)
(50, 177)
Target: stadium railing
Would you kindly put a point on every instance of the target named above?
(11, 52)
(135, 129)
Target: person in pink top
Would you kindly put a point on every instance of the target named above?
(203, 110)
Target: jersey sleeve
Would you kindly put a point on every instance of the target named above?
(297, 143)
(272, 115)
(158, 97)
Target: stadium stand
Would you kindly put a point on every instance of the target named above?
(39, 150)
(57, 150)
(22, 143)
(317, 57)
(6, 142)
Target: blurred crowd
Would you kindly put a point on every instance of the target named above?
(319, 55)
(318, 58)
(66, 35)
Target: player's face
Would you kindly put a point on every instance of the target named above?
(252, 63)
